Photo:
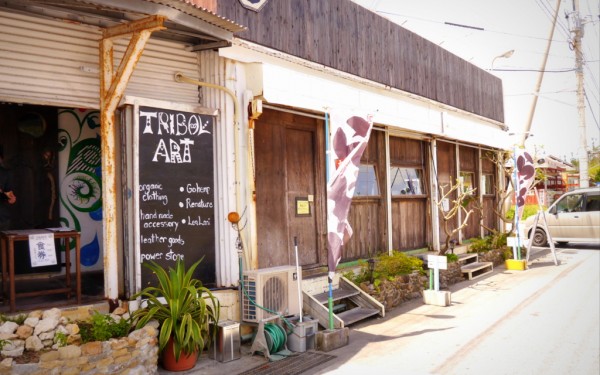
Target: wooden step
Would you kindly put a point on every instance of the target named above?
(477, 269)
(356, 314)
(338, 294)
(467, 258)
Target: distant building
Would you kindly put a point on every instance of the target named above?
(560, 178)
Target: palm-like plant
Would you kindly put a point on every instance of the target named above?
(187, 312)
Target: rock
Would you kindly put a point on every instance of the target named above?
(72, 329)
(14, 344)
(74, 339)
(24, 331)
(34, 343)
(8, 336)
(13, 353)
(8, 327)
(49, 356)
(45, 325)
(117, 318)
(6, 363)
(36, 314)
(62, 329)
(70, 351)
(52, 313)
(119, 311)
(47, 335)
(32, 321)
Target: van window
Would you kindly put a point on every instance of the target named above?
(593, 203)
(570, 203)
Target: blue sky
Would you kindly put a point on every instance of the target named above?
(522, 26)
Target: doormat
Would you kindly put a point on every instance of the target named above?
(293, 365)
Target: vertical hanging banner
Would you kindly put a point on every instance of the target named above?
(525, 177)
(350, 136)
(176, 191)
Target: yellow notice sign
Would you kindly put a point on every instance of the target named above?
(302, 207)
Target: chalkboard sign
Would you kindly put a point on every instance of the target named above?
(176, 191)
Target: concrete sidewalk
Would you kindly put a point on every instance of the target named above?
(418, 339)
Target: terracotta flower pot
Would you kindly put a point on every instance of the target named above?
(186, 361)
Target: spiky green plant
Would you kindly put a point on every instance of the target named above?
(188, 310)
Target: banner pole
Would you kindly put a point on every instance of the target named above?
(330, 304)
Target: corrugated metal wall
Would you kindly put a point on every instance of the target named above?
(216, 70)
(56, 63)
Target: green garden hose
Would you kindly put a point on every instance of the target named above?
(275, 336)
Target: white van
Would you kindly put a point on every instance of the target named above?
(574, 217)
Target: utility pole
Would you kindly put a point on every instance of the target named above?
(576, 29)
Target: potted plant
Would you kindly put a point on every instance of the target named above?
(186, 311)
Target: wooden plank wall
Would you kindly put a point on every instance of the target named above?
(342, 35)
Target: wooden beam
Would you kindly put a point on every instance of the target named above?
(112, 88)
(151, 24)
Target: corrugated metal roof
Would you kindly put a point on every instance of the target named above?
(193, 8)
(187, 21)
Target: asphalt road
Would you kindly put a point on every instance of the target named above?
(545, 320)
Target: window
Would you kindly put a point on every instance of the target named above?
(570, 203)
(593, 203)
(366, 184)
(467, 182)
(406, 181)
(487, 184)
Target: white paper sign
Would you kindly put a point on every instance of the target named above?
(437, 262)
(41, 250)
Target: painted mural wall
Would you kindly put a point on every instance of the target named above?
(81, 181)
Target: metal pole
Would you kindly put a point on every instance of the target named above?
(299, 282)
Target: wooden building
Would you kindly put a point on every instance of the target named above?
(262, 84)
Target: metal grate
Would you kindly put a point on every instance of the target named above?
(293, 365)
(249, 291)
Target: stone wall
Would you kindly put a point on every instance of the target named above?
(450, 276)
(392, 293)
(56, 342)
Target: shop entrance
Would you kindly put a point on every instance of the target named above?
(290, 189)
(53, 157)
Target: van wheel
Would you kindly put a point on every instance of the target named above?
(540, 238)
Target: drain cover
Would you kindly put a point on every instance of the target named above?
(293, 365)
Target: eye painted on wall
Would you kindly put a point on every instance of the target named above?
(83, 191)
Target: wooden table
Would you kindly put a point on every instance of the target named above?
(7, 241)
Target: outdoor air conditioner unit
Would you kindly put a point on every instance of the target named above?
(275, 289)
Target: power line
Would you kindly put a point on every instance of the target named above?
(593, 114)
(566, 70)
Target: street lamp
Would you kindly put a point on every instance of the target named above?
(505, 55)
(371, 264)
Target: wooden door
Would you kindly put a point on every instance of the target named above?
(411, 226)
(446, 177)
(290, 189)
(469, 163)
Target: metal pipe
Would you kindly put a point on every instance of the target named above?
(179, 77)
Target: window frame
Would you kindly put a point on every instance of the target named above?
(420, 174)
(376, 180)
